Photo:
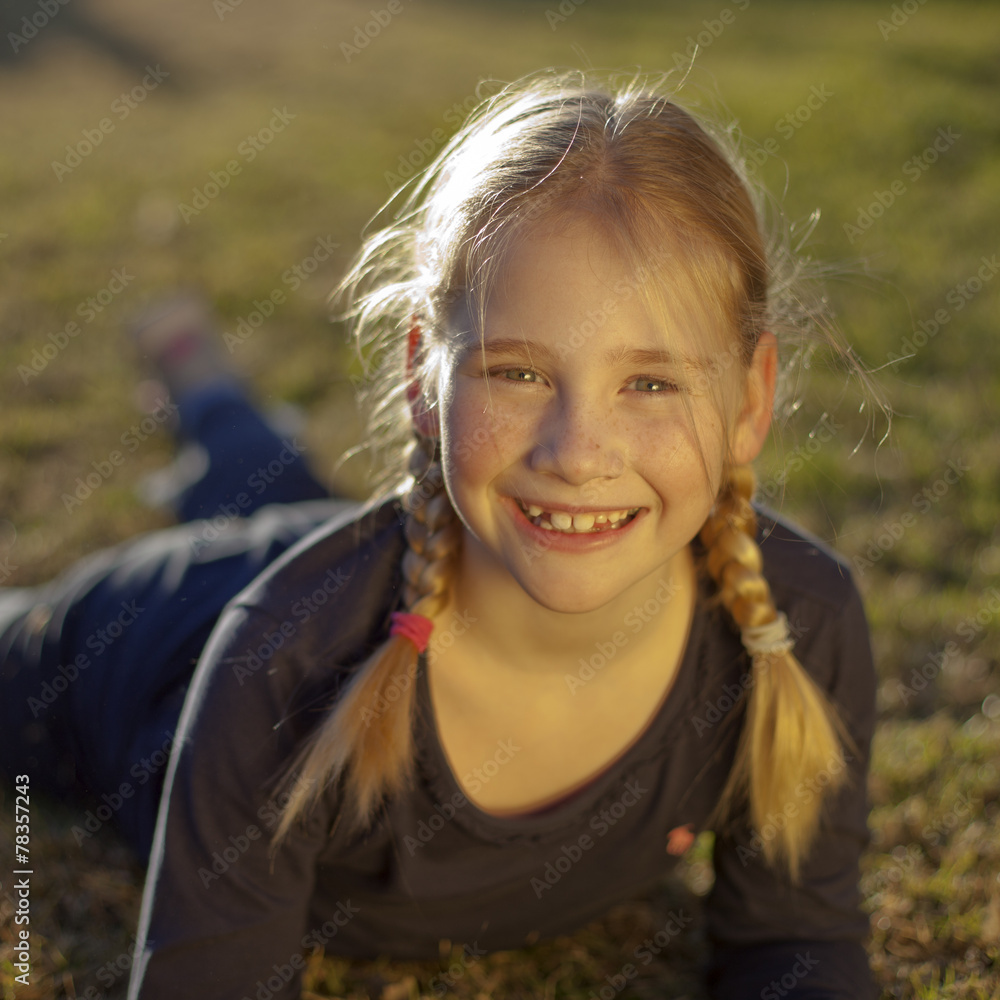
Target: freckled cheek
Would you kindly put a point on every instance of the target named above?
(677, 453)
(483, 437)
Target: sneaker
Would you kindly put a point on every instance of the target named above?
(178, 340)
(162, 489)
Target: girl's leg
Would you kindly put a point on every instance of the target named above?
(249, 464)
(245, 463)
(24, 736)
(95, 665)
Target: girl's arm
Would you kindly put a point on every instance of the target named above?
(771, 939)
(218, 919)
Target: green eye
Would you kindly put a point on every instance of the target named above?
(654, 385)
(521, 375)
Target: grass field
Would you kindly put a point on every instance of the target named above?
(844, 103)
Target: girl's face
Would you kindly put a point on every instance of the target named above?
(583, 451)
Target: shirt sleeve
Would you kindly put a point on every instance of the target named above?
(770, 939)
(220, 918)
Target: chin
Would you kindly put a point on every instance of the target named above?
(568, 596)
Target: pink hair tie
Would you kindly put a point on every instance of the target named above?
(416, 628)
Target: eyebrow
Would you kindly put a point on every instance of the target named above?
(615, 357)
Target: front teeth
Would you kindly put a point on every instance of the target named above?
(561, 520)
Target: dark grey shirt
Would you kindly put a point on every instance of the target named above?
(221, 921)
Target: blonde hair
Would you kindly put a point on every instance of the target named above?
(545, 148)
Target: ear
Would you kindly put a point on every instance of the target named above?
(754, 420)
(424, 419)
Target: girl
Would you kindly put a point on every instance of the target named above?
(557, 643)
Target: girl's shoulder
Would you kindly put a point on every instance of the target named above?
(337, 584)
(799, 566)
(815, 589)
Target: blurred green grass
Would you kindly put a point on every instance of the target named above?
(927, 568)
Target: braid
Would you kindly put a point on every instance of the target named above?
(378, 744)
(431, 533)
(791, 729)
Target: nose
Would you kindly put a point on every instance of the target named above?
(577, 442)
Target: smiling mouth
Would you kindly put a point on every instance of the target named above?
(590, 523)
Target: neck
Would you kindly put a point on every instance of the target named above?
(500, 628)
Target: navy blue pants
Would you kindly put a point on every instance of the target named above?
(94, 666)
